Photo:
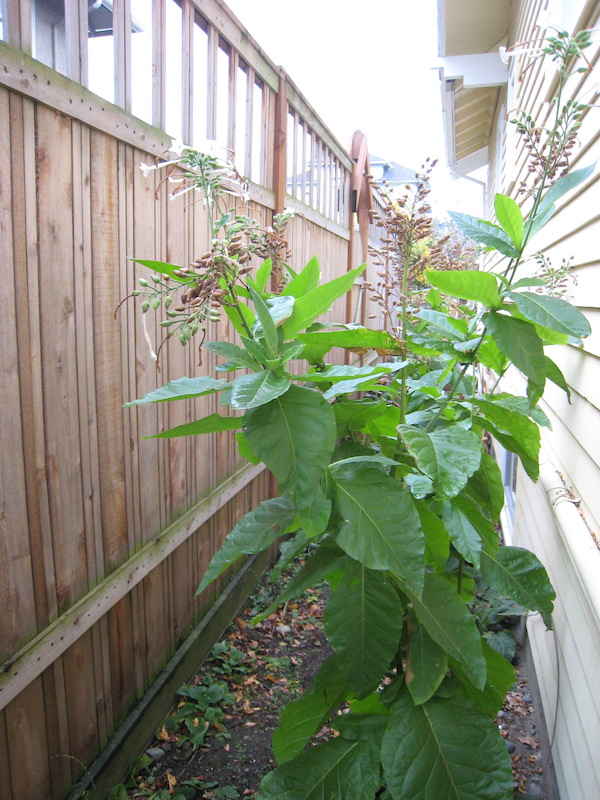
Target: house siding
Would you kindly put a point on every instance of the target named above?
(566, 658)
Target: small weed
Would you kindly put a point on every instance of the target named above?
(227, 661)
(199, 713)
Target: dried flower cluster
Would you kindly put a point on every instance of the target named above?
(557, 280)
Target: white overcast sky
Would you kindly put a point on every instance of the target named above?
(363, 64)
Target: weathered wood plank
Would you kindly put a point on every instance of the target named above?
(28, 744)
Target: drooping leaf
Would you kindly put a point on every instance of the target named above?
(564, 185)
(519, 574)
(267, 332)
(481, 287)
(424, 757)
(503, 642)
(510, 218)
(477, 519)
(311, 305)
(302, 718)
(519, 341)
(210, 424)
(315, 513)
(305, 281)
(463, 534)
(233, 353)
(448, 457)
(437, 541)
(253, 533)
(426, 663)
(244, 448)
(500, 677)
(554, 374)
(552, 312)
(380, 526)
(181, 389)
(486, 489)
(449, 623)
(294, 435)
(336, 770)
(514, 431)
(363, 622)
(258, 388)
(484, 233)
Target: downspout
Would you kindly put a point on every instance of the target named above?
(575, 535)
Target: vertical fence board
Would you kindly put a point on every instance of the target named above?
(28, 744)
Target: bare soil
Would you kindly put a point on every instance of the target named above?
(266, 666)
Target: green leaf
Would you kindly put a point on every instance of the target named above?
(479, 522)
(514, 432)
(342, 372)
(510, 218)
(486, 489)
(554, 374)
(520, 575)
(564, 185)
(503, 642)
(294, 435)
(280, 308)
(437, 541)
(258, 388)
(363, 622)
(380, 526)
(500, 677)
(263, 273)
(337, 770)
(426, 663)
(551, 312)
(244, 449)
(484, 233)
(304, 717)
(181, 389)
(535, 224)
(306, 280)
(267, 325)
(234, 317)
(233, 353)
(311, 305)
(253, 533)
(449, 623)
(519, 342)
(448, 457)
(161, 267)
(481, 287)
(463, 534)
(210, 424)
(444, 750)
(315, 513)
(359, 340)
(490, 356)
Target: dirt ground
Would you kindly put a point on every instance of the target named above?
(264, 667)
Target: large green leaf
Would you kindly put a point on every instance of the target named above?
(564, 185)
(444, 750)
(337, 770)
(306, 280)
(181, 389)
(258, 388)
(491, 356)
(463, 534)
(554, 374)
(519, 574)
(236, 355)
(294, 435)
(380, 526)
(449, 623)
(343, 372)
(363, 622)
(448, 457)
(437, 541)
(519, 341)
(481, 524)
(484, 233)
(524, 435)
(263, 273)
(210, 424)
(253, 533)
(302, 718)
(311, 305)
(426, 663)
(552, 312)
(486, 489)
(510, 218)
(267, 331)
(500, 677)
(481, 287)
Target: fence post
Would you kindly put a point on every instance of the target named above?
(361, 203)
(280, 145)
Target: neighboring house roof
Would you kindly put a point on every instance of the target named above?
(472, 72)
(390, 172)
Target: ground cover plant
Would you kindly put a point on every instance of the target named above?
(394, 489)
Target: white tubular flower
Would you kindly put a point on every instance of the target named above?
(288, 212)
(147, 168)
(178, 147)
(153, 355)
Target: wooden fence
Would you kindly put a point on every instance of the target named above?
(103, 536)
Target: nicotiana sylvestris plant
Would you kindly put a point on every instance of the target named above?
(382, 468)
